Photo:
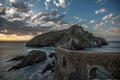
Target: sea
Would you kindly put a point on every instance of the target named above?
(114, 46)
(11, 49)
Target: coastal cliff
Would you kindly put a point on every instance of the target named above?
(72, 38)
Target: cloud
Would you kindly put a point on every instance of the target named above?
(98, 25)
(76, 17)
(107, 16)
(2, 11)
(114, 33)
(100, 2)
(31, 24)
(44, 20)
(11, 12)
(2, 20)
(46, 3)
(54, 12)
(18, 11)
(102, 10)
(84, 26)
(116, 17)
(116, 20)
(116, 29)
(60, 3)
(12, 1)
(20, 6)
(30, 5)
(0, 4)
(80, 20)
(20, 20)
(20, 28)
(92, 21)
(41, 15)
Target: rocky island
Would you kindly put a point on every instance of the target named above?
(74, 38)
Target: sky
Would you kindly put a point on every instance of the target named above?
(22, 19)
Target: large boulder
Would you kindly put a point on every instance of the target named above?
(17, 58)
(48, 67)
(76, 36)
(34, 56)
(100, 41)
(51, 55)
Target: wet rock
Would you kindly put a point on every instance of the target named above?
(18, 58)
(51, 55)
(34, 56)
(48, 67)
(100, 42)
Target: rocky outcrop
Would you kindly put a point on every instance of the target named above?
(100, 41)
(51, 55)
(76, 37)
(48, 67)
(53, 38)
(34, 56)
(18, 58)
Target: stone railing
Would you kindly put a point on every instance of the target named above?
(84, 65)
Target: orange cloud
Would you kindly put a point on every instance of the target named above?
(116, 29)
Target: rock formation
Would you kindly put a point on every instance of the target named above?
(48, 67)
(74, 37)
(51, 55)
(18, 58)
(34, 56)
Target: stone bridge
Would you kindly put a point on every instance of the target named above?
(82, 65)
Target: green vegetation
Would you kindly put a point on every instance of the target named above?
(75, 36)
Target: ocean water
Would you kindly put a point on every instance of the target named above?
(114, 46)
(9, 50)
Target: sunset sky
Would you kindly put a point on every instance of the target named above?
(23, 19)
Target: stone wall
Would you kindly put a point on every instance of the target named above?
(77, 65)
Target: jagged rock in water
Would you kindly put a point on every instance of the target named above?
(48, 67)
(77, 37)
(18, 58)
(51, 55)
(34, 56)
(100, 41)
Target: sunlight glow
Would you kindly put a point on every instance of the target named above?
(15, 37)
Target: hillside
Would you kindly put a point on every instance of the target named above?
(74, 37)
